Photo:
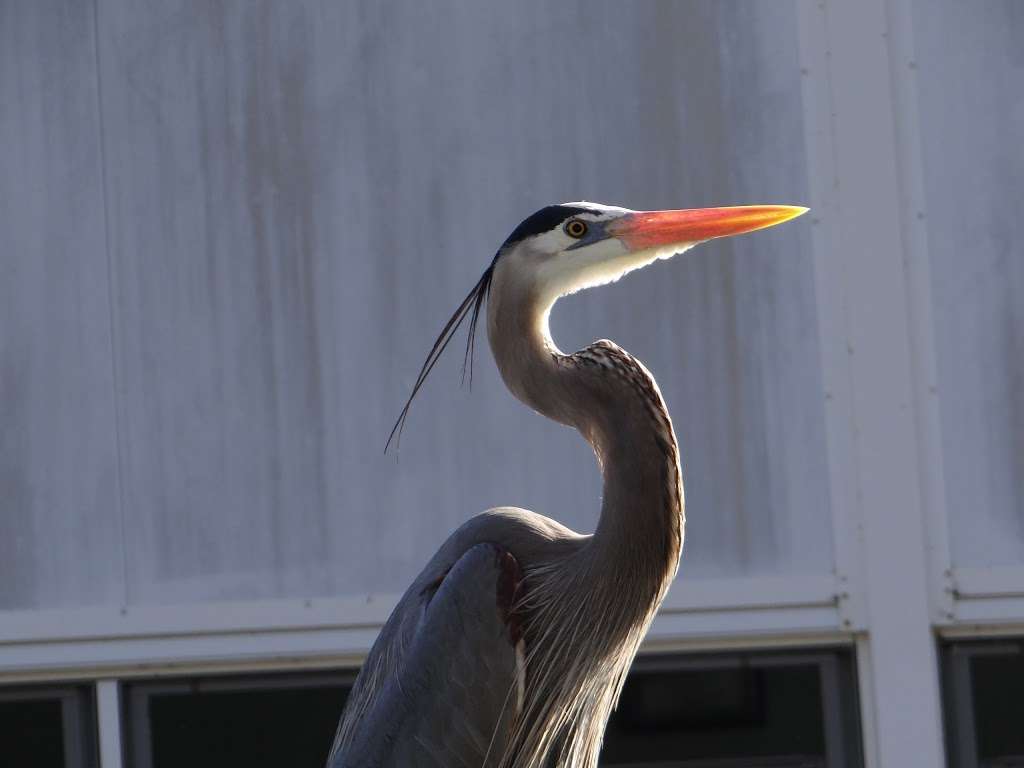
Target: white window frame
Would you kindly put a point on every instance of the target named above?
(76, 708)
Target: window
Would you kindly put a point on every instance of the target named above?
(983, 683)
(750, 709)
(785, 710)
(238, 721)
(48, 727)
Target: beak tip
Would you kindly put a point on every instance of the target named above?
(779, 214)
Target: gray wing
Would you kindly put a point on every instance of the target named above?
(452, 701)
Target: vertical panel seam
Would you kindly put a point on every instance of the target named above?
(847, 520)
(919, 302)
(118, 468)
(899, 630)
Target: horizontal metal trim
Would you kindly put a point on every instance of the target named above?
(983, 583)
(109, 622)
(367, 611)
(982, 630)
(287, 634)
(319, 650)
(759, 593)
(989, 611)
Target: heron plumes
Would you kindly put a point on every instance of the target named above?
(470, 307)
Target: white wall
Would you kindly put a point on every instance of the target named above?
(971, 70)
(284, 202)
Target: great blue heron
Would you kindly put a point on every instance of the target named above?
(511, 647)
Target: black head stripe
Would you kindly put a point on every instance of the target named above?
(543, 221)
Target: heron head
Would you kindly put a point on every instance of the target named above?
(566, 248)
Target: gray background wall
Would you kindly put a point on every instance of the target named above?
(230, 233)
(972, 116)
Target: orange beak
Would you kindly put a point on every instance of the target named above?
(652, 229)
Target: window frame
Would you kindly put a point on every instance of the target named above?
(958, 694)
(77, 713)
(136, 738)
(841, 714)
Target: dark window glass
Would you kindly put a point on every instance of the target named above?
(47, 727)
(717, 711)
(745, 710)
(983, 687)
(223, 722)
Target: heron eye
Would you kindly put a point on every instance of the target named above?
(575, 228)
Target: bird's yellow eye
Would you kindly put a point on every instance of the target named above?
(575, 228)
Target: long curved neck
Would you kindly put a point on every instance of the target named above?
(611, 399)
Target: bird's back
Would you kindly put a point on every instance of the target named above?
(446, 673)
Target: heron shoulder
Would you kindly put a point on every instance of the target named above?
(530, 536)
(524, 520)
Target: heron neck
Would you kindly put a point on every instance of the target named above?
(614, 403)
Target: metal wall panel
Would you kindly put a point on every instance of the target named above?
(299, 194)
(970, 68)
(217, 172)
(59, 509)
